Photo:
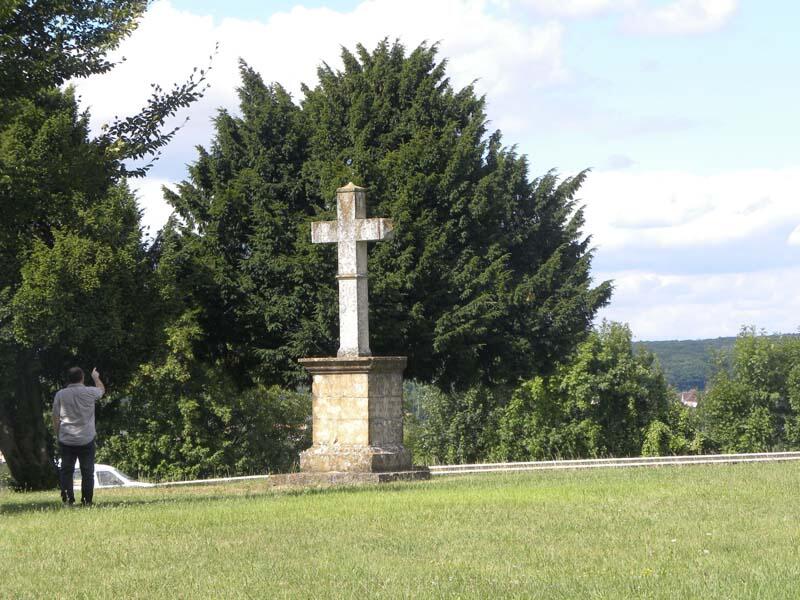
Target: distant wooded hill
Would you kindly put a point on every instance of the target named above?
(687, 363)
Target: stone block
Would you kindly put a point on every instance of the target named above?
(357, 415)
(355, 459)
(391, 384)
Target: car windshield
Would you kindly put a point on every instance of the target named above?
(108, 478)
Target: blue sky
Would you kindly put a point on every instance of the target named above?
(686, 111)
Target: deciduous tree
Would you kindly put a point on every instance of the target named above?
(600, 403)
(69, 240)
(73, 284)
(754, 406)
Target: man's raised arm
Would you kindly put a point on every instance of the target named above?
(97, 383)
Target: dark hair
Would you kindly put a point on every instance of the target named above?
(75, 375)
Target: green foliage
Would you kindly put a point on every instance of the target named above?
(48, 173)
(657, 439)
(459, 427)
(487, 278)
(143, 135)
(100, 264)
(679, 434)
(539, 425)
(753, 408)
(244, 254)
(75, 286)
(600, 403)
(725, 409)
(44, 43)
(183, 418)
(686, 436)
(792, 426)
(5, 476)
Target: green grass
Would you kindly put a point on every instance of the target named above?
(719, 531)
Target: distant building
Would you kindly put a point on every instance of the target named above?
(689, 398)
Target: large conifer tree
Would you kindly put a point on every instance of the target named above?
(487, 279)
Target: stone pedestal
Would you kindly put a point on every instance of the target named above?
(357, 415)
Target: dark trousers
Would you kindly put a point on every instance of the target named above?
(69, 454)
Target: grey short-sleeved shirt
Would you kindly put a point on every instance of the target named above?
(74, 405)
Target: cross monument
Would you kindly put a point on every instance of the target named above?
(351, 231)
(356, 398)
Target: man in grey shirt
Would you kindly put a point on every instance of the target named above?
(73, 422)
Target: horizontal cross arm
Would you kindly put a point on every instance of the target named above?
(371, 230)
(324, 232)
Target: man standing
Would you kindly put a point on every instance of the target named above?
(73, 422)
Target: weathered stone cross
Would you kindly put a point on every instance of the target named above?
(351, 231)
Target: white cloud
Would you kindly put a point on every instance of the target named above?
(794, 237)
(155, 209)
(681, 17)
(577, 8)
(677, 17)
(701, 245)
(505, 55)
(619, 161)
(669, 209)
(708, 305)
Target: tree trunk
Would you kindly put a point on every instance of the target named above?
(23, 435)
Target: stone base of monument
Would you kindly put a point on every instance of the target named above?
(337, 478)
(357, 408)
(355, 459)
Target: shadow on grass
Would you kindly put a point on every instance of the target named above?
(13, 508)
(194, 495)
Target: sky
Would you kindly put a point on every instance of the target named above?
(684, 110)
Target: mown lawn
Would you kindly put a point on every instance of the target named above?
(719, 531)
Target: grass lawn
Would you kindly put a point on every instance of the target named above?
(711, 531)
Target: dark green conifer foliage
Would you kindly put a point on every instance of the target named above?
(487, 279)
(266, 292)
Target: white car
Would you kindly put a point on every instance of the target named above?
(106, 476)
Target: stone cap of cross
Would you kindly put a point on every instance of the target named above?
(351, 227)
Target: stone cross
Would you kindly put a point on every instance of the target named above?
(351, 231)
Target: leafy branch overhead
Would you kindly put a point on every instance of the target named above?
(44, 43)
(47, 43)
(142, 135)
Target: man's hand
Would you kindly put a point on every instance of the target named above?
(96, 378)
